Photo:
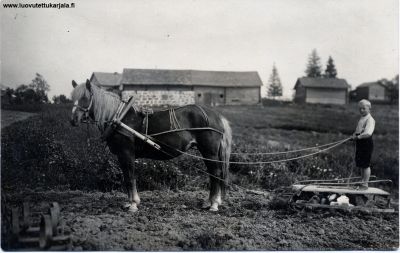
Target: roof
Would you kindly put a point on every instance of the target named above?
(368, 84)
(190, 78)
(319, 82)
(106, 79)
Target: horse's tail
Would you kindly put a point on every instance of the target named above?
(225, 152)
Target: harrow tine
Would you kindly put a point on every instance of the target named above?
(26, 215)
(54, 216)
(15, 221)
(56, 206)
(46, 231)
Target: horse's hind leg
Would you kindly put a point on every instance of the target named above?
(127, 162)
(215, 172)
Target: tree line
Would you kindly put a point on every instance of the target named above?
(313, 69)
(35, 92)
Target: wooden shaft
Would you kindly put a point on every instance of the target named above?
(126, 109)
(140, 136)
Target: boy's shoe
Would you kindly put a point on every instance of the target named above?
(361, 187)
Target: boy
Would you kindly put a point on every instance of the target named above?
(363, 137)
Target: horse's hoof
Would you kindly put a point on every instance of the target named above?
(214, 208)
(126, 205)
(130, 207)
(133, 208)
(206, 205)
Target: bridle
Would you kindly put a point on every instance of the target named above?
(85, 118)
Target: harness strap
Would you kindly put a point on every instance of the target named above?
(174, 124)
(147, 121)
(171, 126)
(176, 119)
(204, 114)
(119, 110)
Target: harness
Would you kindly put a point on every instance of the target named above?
(123, 108)
(84, 110)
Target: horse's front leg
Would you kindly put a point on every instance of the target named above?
(127, 161)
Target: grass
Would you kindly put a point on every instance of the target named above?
(291, 126)
(46, 152)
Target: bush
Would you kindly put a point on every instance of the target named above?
(275, 102)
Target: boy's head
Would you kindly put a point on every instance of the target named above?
(364, 106)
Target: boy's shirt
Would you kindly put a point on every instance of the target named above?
(366, 125)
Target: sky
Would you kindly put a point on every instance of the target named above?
(229, 35)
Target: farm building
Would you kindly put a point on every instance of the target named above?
(107, 81)
(374, 91)
(180, 87)
(321, 90)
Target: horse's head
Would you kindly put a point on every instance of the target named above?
(82, 97)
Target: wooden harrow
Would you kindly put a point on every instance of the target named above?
(328, 194)
(37, 230)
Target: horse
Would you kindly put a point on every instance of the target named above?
(192, 126)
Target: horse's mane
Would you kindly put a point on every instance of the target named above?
(105, 103)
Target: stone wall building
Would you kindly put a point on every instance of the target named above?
(179, 87)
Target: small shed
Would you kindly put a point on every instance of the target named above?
(373, 91)
(321, 90)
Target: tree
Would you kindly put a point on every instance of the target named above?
(61, 99)
(274, 84)
(8, 97)
(41, 87)
(393, 88)
(330, 71)
(26, 95)
(313, 65)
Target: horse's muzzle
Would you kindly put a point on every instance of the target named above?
(73, 122)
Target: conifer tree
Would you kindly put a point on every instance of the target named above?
(274, 88)
(330, 71)
(313, 65)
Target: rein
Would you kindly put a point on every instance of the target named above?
(332, 145)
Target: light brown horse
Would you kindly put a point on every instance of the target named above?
(199, 126)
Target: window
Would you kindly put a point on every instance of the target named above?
(221, 95)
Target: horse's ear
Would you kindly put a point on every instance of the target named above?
(74, 84)
(88, 85)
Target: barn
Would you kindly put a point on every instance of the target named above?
(373, 91)
(107, 81)
(156, 87)
(321, 90)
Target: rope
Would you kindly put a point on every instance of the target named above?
(251, 163)
(176, 119)
(287, 152)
